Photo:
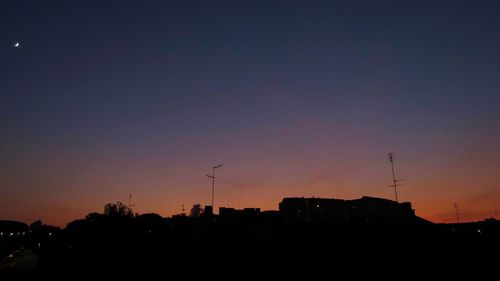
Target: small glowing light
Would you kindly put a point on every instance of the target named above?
(50, 233)
(479, 231)
(1, 233)
(10, 256)
(39, 244)
(17, 44)
(11, 234)
(317, 206)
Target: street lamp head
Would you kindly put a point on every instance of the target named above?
(210, 176)
(218, 166)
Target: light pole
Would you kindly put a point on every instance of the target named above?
(213, 183)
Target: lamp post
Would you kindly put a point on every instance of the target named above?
(213, 183)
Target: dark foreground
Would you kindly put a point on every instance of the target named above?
(153, 248)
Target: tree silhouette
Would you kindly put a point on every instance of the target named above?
(117, 210)
(196, 211)
(36, 225)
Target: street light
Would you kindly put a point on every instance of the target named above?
(213, 183)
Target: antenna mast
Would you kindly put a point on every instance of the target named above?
(395, 181)
(456, 211)
(130, 201)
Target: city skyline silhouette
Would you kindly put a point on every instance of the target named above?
(365, 237)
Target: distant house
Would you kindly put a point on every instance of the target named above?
(339, 210)
(208, 211)
(231, 213)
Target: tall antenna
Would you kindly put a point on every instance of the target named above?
(130, 201)
(456, 211)
(395, 181)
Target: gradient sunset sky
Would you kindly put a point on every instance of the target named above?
(295, 98)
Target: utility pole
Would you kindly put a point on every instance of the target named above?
(213, 184)
(456, 211)
(395, 181)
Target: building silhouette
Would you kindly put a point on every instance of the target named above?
(369, 209)
(232, 213)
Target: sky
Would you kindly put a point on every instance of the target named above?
(102, 99)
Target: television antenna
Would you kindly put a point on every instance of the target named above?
(395, 181)
(455, 204)
(130, 201)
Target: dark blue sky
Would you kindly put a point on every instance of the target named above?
(104, 98)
